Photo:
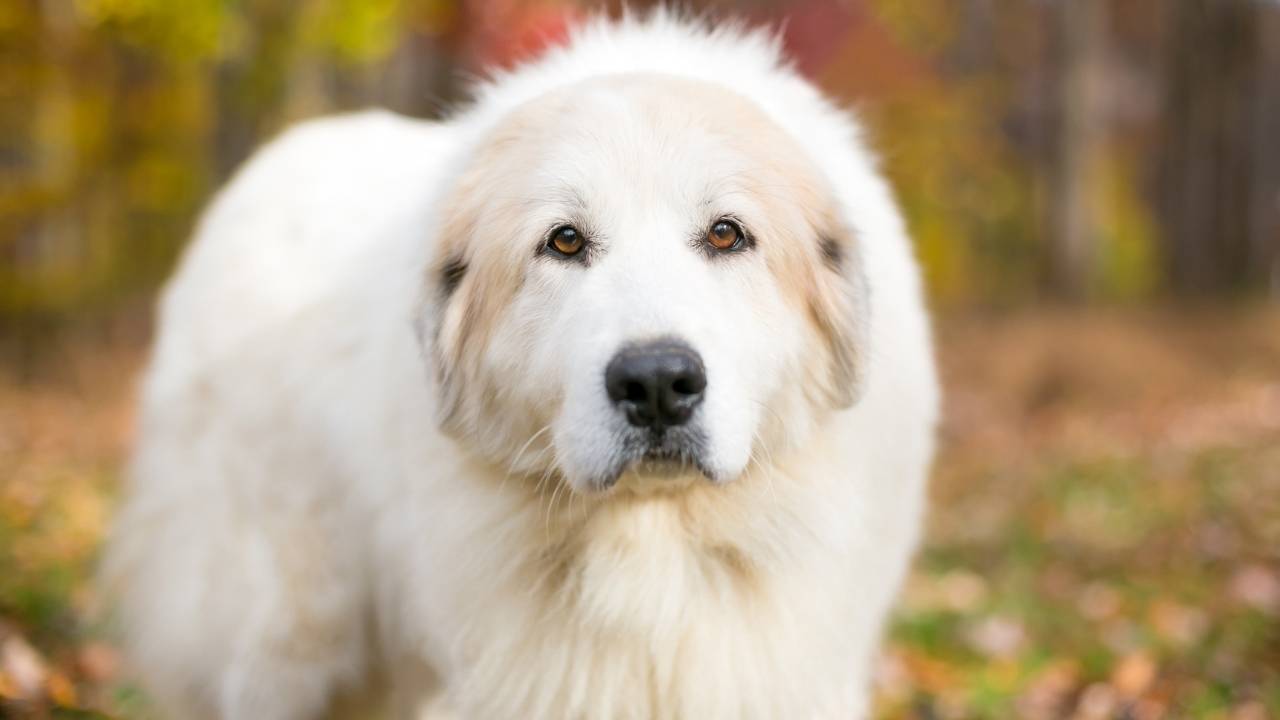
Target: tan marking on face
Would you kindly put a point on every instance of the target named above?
(486, 226)
(475, 214)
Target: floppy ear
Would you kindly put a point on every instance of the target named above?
(446, 317)
(840, 304)
(453, 304)
(466, 286)
(468, 282)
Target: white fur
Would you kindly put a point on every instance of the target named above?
(299, 528)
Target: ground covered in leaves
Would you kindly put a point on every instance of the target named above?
(1104, 540)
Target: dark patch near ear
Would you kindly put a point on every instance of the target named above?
(451, 274)
(832, 253)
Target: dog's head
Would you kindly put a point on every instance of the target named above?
(642, 278)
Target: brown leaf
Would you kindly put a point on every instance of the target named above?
(1134, 674)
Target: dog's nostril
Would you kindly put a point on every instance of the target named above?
(684, 386)
(636, 392)
(657, 384)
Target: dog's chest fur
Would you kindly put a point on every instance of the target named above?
(654, 607)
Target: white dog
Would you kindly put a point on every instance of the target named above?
(611, 397)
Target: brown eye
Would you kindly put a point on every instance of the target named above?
(725, 235)
(566, 240)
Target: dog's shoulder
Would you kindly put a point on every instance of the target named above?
(330, 204)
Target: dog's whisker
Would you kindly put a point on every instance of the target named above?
(765, 470)
(511, 468)
(536, 458)
(551, 508)
(771, 411)
(546, 475)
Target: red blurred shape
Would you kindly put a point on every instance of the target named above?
(505, 32)
(814, 31)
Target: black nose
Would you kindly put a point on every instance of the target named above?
(657, 384)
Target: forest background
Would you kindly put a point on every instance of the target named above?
(1093, 187)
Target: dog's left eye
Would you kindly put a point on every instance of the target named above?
(725, 235)
(566, 240)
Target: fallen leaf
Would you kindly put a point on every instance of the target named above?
(23, 666)
(98, 662)
(997, 637)
(1133, 674)
(60, 689)
(1098, 701)
(1257, 587)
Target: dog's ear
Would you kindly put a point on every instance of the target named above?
(444, 319)
(467, 284)
(455, 304)
(446, 316)
(840, 304)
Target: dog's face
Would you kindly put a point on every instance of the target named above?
(642, 278)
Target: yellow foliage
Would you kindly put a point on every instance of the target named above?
(1128, 267)
(187, 31)
(355, 31)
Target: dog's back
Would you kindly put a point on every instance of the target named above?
(277, 296)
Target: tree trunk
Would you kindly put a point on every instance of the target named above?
(1218, 165)
(1078, 147)
(1264, 231)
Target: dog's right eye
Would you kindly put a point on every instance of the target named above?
(725, 236)
(566, 240)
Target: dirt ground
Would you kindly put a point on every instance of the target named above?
(1104, 540)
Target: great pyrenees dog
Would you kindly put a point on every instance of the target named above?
(612, 396)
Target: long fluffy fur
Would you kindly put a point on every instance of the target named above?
(299, 529)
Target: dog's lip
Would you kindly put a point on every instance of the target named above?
(665, 454)
(658, 457)
(659, 467)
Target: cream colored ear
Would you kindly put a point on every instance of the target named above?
(840, 304)
(472, 278)
(444, 325)
(450, 303)
(467, 285)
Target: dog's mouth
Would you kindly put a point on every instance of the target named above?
(659, 457)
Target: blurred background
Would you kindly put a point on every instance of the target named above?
(1094, 190)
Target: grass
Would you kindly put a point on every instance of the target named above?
(1104, 540)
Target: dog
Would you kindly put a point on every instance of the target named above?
(612, 396)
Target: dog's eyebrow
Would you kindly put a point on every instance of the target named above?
(451, 274)
(571, 196)
(832, 253)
